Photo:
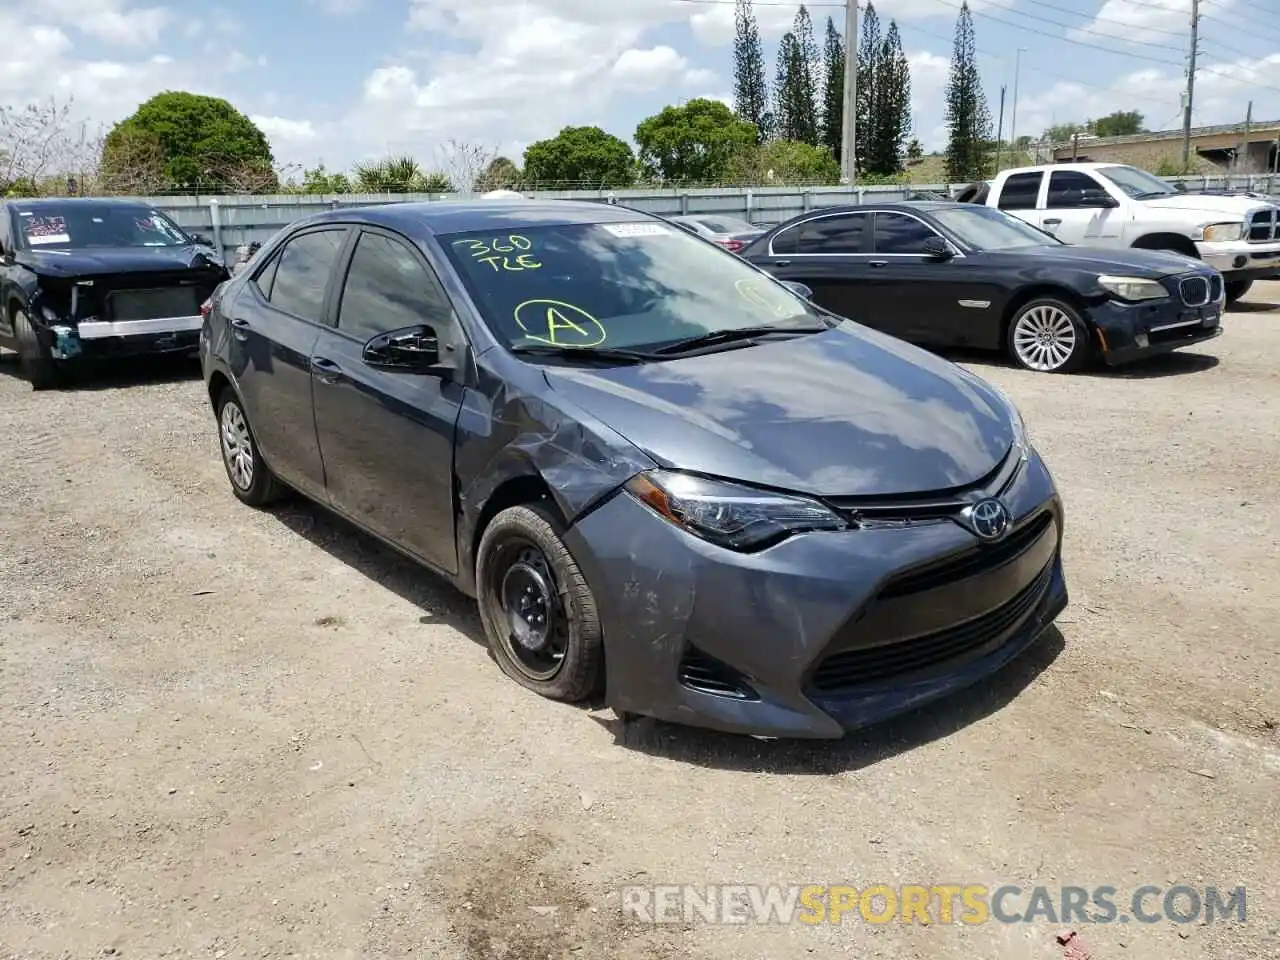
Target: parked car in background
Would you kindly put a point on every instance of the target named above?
(732, 233)
(1115, 205)
(661, 473)
(955, 274)
(84, 279)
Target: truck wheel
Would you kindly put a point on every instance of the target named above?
(1048, 335)
(1235, 289)
(40, 369)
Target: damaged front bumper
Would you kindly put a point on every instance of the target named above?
(92, 338)
(825, 632)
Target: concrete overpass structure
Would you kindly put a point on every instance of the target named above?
(1230, 148)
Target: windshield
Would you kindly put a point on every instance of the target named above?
(1138, 184)
(73, 225)
(986, 228)
(726, 225)
(630, 285)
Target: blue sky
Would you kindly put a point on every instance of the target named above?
(339, 81)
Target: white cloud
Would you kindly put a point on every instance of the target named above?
(647, 69)
(280, 129)
(1152, 21)
(340, 7)
(108, 20)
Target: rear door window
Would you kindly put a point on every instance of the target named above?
(302, 272)
(1021, 191)
(843, 233)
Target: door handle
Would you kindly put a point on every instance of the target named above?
(1054, 222)
(240, 329)
(878, 263)
(782, 263)
(326, 370)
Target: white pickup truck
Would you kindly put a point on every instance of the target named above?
(1114, 205)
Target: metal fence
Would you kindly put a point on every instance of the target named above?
(233, 220)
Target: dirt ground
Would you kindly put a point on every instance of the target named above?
(227, 733)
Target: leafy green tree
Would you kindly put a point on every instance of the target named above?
(501, 174)
(967, 114)
(890, 107)
(791, 110)
(579, 156)
(750, 86)
(915, 150)
(320, 181)
(693, 143)
(782, 162)
(1122, 123)
(205, 143)
(1061, 132)
(400, 174)
(807, 76)
(869, 41)
(833, 61)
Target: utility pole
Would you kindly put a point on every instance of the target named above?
(1191, 85)
(848, 148)
(1242, 154)
(1013, 122)
(1000, 129)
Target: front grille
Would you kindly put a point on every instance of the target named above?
(971, 562)
(704, 673)
(1215, 288)
(872, 665)
(154, 304)
(1195, 291)
(1264, 226)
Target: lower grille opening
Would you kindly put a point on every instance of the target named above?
(857, 668)
(704, 673)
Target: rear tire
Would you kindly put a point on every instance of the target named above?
(1048, 335)
(38, 366)
(251, 480)
(538, 613)
(1235, 289)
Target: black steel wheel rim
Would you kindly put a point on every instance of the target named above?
(531, 614)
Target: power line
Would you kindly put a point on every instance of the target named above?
(1068, 26)
(1255, 24)
(1118, 23)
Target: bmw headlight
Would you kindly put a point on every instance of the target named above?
(1220, 232)
(1133, 288)
(729, 514)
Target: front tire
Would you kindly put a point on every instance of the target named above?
(1048, 335)
(38, 366)
(1235, 289)
(539, 615)
(251, 480)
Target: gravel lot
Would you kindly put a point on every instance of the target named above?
(235, 734)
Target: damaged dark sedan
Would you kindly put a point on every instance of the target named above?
(670, 481)
(84, 279)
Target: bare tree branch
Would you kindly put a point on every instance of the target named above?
(464, 163)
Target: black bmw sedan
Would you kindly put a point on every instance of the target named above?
(943, 274)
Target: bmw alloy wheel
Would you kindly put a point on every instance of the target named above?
(237, 445)
(1045, 338)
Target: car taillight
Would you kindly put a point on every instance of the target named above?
(205, 307)
(733, 246)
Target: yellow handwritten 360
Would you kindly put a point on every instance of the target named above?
(497, 252)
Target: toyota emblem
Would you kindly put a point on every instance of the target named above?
(989, 519)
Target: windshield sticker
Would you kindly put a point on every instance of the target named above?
(503, 253)
(46, 230)
(636, 229)
(559, 324)
(764, 294)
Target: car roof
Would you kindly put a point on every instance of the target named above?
(463, 216)
(1040, 168)
(888, 206)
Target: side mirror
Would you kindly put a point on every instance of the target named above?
(798, 288)
(938, 249)
(412, 350)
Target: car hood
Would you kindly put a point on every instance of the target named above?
(848, 412)
(102, 261)
(1206, 204)
(1125, 261)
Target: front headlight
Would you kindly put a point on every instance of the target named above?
(1219, 232)
(729, 514)
(1133, 288)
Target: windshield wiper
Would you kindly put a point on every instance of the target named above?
(730, 336)
(589, 354)
(1152, 194)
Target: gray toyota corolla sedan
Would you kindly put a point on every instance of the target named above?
(665, 476)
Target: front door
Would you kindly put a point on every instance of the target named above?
(1079, 210)
(827, 253)
(275, 321)
(387, 436)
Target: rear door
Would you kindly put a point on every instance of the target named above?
(1020, 196)
(1078, 209)
(387, 436)
(828, 253)
(275, 321)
